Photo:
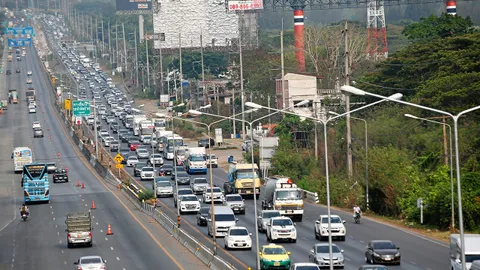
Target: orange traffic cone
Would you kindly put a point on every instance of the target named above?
(93, 205)
(83, 185)
(66, 168)
(109, 230)
(78, 184)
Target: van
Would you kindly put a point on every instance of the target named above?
(224, 219)
(472, 250)
(475, 265)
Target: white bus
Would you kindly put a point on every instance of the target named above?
(21, 156)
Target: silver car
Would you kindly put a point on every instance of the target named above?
(142, 153)
(91, 263)
(199, 185)
(264, 218)
(37, 132)
(320, 255)
(156, 159)
(235, 202)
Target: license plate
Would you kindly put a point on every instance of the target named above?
(36, 199)
(249, 191)
(235, 209)
(388, 259)
(79, 236)
(276, 264)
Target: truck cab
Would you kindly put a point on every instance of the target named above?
(243, 178)
(472, 250)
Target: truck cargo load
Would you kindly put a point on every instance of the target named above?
(12, 96)
(9, 58)
(79, 229)
(30, 94)
(242, 179)
(283, 195)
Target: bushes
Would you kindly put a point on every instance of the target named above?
(146, 195)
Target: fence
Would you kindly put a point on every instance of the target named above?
(102, 166)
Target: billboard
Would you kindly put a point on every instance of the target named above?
(134, 6)
(234, 5)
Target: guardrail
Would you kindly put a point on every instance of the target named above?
(310, 196)
(131, 191)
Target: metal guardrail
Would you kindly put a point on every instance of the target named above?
(131, 192)
(310, 196)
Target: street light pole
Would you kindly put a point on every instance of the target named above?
(355, 91)
(451, 161)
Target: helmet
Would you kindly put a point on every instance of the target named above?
(161, 170)
(23, 204)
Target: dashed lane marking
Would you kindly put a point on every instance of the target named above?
(118, 259)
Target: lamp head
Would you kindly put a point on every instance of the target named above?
(206, 106)
(195, 112)
(333, 113)
(250, 111)
(350, 90)
(179, 105)
(253, 105)
(396, 96)
(410, 116)
(304, 102)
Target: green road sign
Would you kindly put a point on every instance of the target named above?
(81, 108)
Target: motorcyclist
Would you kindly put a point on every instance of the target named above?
(162, 172)
(357, 212)
(24, 209)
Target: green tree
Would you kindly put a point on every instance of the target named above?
(439, 27)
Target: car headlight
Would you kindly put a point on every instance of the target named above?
(376, 254)
(398, 254)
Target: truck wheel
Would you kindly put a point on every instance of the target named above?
(90, 244)
(258, 196)
(69, 245)
(299, 219)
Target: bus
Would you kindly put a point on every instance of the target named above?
(21, 156)
(178, 140)
(35, 183)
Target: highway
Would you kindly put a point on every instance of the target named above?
(417, 252)
(40, 242)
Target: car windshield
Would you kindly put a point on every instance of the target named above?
(200, 181)
(182, 174)
(133, 158)
(234, 199)
(282, 222)
(246, 174)
(288, 195)
(147, 169)
(141, 150)
(238, 232)
(157, 156)
(374, 268)
(180, 168)
(384, 245)
(471, 258)
(181, 152)
(213, 156)
(204, 210)
(164, 184)
(325, 249)
(332, 220)
(185, 191)
(215, 190)
(224, 217)
(197, 158)
(189, 198)
(274, 251)
(162, 179)
(271, 214)
(90, 260)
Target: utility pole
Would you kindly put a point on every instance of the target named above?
(136, 58)
(116, 45)
(91, 28)
(241, 75)
(124, 49)
(284, 98)
(96, 37)
(161, 65)
(347, 104)
(205, 93)
(445, 151)
(268, 105)
(181, 70)
(110, 51)
(148, 63)
(233, 113)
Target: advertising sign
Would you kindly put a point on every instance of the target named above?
(134, 6)
(234, 5)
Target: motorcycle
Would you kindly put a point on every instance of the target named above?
(356, 218)
(24, 215)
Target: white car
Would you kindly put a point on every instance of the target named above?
(132, 160)
(32, 103)
(235, 202)
(214, 160)
(36, 124)
(103, 133)
(147, 173)
(91, 263)
(155, 159)
(238, 237)
(29, 73)
(338, 227)
(163, 188)
(29, 81)
(32, 109)
(217, 195)
(264, 218)
(199, 185)
(281, 228)
(189, 203)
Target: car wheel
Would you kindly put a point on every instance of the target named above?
(343, 238)
(225, 245)
(315, 232)
(294, 240)
(69, 245)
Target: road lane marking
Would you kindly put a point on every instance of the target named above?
(111, 248)
(118, 259)
(61, 251)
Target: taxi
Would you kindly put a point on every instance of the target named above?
(274, 256)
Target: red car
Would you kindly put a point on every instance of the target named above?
(133, 145)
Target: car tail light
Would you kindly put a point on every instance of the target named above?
(79, 268)
(90, 234)
(25, 193)
(103, 267)
(47, 192)
(68, 235)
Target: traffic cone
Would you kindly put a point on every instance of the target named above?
(66, 168)
(93, 205)
(83, 185)
(78, 184)
(109, 230)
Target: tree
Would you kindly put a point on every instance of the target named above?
(439, 27)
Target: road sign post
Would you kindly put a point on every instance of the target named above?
(81, 108)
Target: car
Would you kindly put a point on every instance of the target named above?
(142, 153)
(304, 266)
(338, 227)
(124, 152)
(382, 251)
(167, 169)
(202, 216)
(90, 263)
(177, 169)
(132, 160)
(212, 159)
(36, 124)
(51, 167)
(206, 143)
(274, 256)
(320, 255)
(264, 218)
(235, 202)
(60, 175)
(38, 132)
(238, 237)
(9, 72)
(180, 192)
(180, 155)
(217, 195)
(281, 228)
(32, 109)
(114, 146)
(188, 203)
(17, 71)
(162, 187)
(29, 73)
(155, 159)
(373, 267)
(108, 140)
(29, 81)
(137, 168)
(183, 178)
(199, 185)
(133, 145)
(147, 173)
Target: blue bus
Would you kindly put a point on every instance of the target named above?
(35, 183)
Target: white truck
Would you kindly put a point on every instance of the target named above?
(137, 119)
(196, 161)
(146, 127)
(472, 250)
(283, 195)
(21, 156)
(79, 229)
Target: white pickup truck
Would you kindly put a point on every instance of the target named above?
(79, 229)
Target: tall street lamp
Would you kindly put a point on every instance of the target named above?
(175, 165)
(253, 162)
(366, 155)
(327, 176)
(451, 161)
(356, 91)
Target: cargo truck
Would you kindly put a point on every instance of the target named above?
(196, 160)
(79, 229)
(137, 119)
(283, 195)
(9, 58)
(242, 179)
(472, 250)
(12, 96)
(30, 94)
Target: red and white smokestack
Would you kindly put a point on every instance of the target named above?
(298, 25)
(452, 7)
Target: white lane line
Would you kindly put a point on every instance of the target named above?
(362, 242)
(61, 251)
(83, 200)
(53, 218)
(412, 262)
(347, 259)
(60, 241)
(65, 262)
(101, 230)
(58, 233)
(86, 204)
(118, 259)
(106, 239)
(96, 223)
(50, 207)
(56, 225)
(52, 212)
(111, 248)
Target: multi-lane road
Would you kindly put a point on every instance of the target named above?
(40, 242)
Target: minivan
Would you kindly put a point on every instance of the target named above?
(475, 265)
(224, 219)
